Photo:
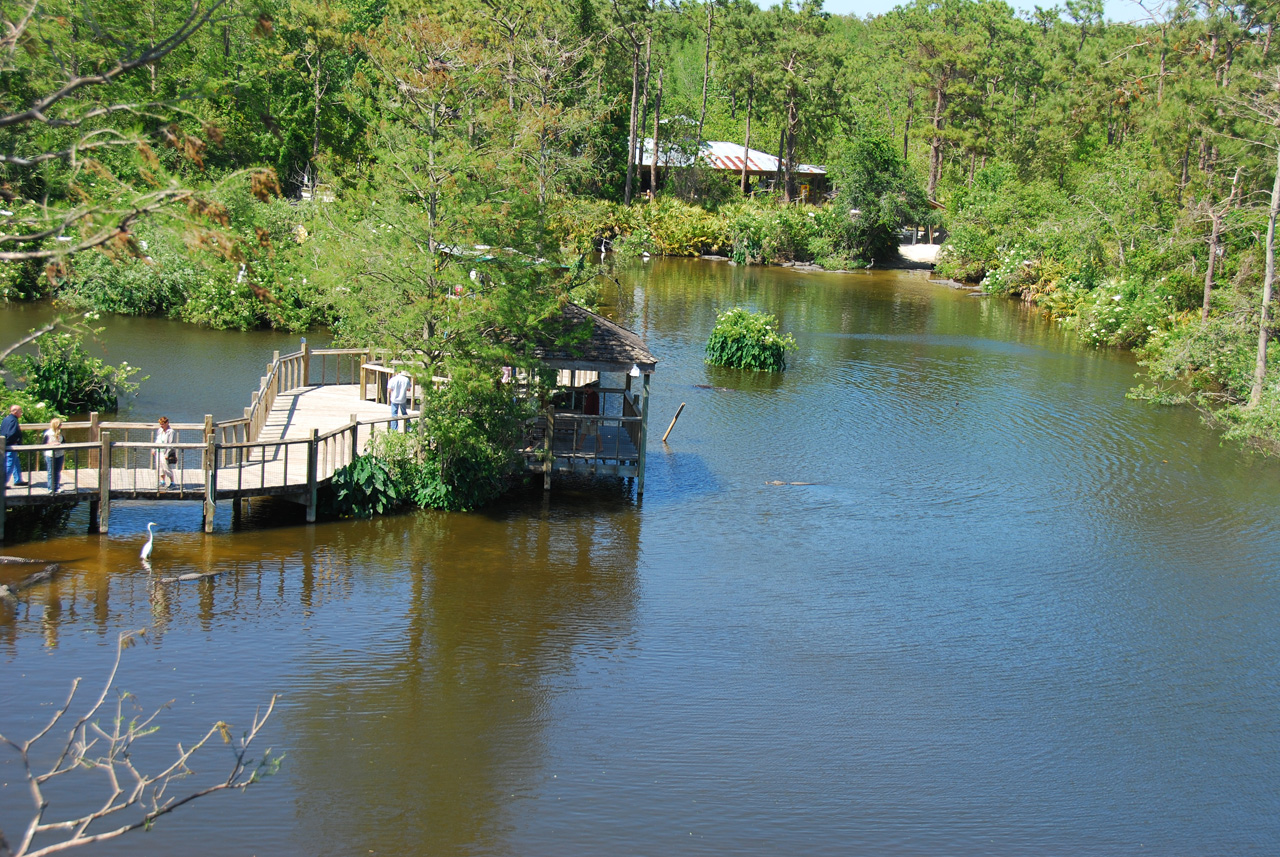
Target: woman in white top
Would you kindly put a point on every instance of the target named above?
(53, 458)
(165, 457)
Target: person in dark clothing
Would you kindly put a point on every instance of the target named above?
(11, 431)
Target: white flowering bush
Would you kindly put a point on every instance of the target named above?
(1125, 312)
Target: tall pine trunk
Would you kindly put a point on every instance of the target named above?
(706, 73)
(631, 130)
(657, 120)
(1268, 280)
(746, 143)
(644, 94)
(935, 145)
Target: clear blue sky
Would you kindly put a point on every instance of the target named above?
(1117, 10)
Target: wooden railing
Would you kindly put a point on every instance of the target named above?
(102, 458)
(228, 459)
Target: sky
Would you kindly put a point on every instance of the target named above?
(1117, 10)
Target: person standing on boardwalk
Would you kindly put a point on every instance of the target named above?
(53, 458)
(398, 396)
(11, 431)
(165, 456)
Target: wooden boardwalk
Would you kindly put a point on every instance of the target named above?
(293, 437)
(314, 412)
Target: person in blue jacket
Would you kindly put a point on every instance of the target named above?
(11, 431)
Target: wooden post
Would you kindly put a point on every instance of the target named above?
(237, 511)
(313, 457)
(210, 484)
(644, 434)
(104, 483)
(208, 438)
(306, 364)
(550, 450)
(679, 411)
(355, 436)
(93, 436)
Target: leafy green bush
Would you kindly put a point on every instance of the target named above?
(764, 232)
(1125, 313)
(62, 373)
(223, 301)
(156, 284)
(366, 487)
(748, 340)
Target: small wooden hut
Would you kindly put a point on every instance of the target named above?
(598, 419)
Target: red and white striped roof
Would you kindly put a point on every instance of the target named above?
(720, 155)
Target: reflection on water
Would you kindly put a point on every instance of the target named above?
(1005, 611)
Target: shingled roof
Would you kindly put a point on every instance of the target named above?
(610, 347)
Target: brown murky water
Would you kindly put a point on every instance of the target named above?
(1013, 613)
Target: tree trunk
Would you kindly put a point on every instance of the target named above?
(657, 118)
(1268, 280)
(315, 131)
(935, 145)
(706, 73)
(906, 128)
(793, 119)
(1215, 233)
(631, 131)
(782, 151)
(746, 143)
(644, 91)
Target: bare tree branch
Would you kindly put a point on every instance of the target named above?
(89, 745)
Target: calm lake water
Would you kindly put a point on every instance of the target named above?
(1010, 612)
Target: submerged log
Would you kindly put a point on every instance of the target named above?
(194, 575)
(10, 590)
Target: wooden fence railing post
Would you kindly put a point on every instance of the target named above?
(313, 458)
(306, 364)
(644, 436)
(104, 483)
(208, 462)
(94, 419)
(210, 484)
(355, 437)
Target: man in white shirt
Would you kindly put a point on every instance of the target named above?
(398, 395)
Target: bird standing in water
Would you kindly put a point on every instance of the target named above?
(151, 539)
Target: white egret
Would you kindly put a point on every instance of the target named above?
(146, 549)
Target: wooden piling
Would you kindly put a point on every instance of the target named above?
(104, 483)
(210, 484)
(644, 433)
(679, 411)
(313, 457)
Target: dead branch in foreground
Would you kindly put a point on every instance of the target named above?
(107, 747)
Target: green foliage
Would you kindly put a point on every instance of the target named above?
(748, 340)
(62, 373)
(1125, 312)
(473, 425)
(873, 180)
(1213, 359)
(364, 488)
(764, 232)
(223, 301)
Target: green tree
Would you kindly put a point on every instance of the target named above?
(876, 195)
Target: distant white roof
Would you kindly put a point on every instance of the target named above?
(720, 155)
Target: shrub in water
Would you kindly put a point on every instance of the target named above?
(748, 340)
